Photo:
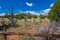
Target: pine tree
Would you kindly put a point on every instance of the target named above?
(6, 15)
(21, 16)
(28, 15)
(41, 16)
(54, 14)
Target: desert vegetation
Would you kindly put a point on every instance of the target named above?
(33, 24)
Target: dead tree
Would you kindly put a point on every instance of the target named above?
(50, 29)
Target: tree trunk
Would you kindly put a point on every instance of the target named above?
(46, 38)
(4, 30)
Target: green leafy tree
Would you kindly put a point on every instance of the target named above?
(21, 16)
(54, 16)
(28, 16)
(34, 16)
(16, 16)
(54, 13)
(41, 16)
(6, 15)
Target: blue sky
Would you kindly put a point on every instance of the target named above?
(33, 6)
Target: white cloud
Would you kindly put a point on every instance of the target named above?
(2, 14)
(32, 12)
(51, 4)
(42, 13)
(0, 7)
(29, 4)
(46, 10)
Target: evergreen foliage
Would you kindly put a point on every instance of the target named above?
(54, 13)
